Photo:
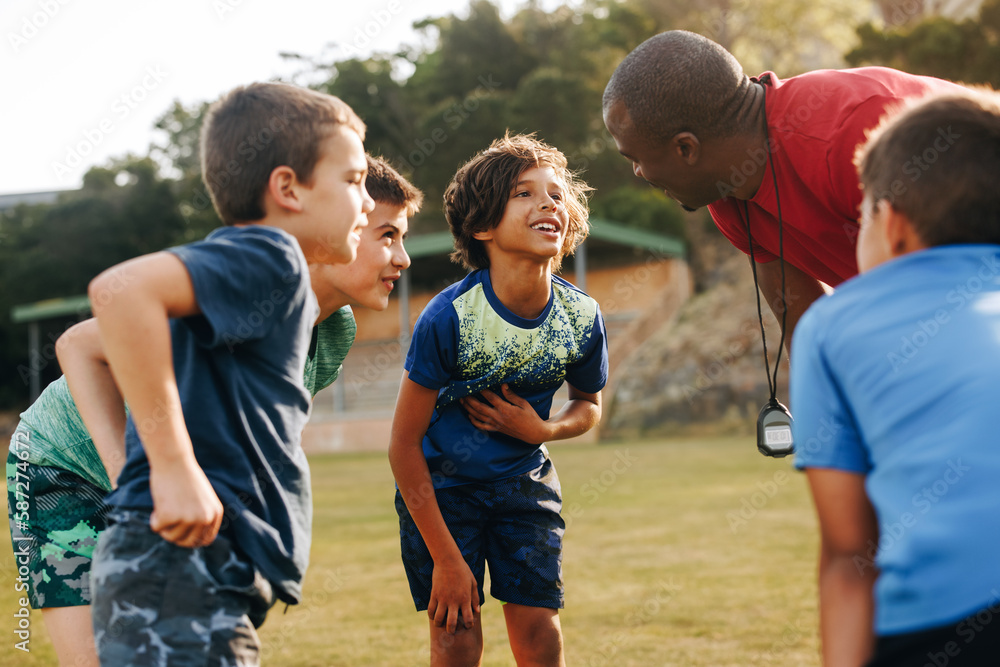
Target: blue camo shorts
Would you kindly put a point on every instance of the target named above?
(512, 524)
(55, 519)
(156, 603)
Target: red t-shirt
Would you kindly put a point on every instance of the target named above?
(816, 121)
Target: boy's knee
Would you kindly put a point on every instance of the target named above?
(464, 648)
(535, 635)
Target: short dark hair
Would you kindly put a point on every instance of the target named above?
(679, 81)
(937, 162)
(477, 196)
(386, 186)
(254, 129)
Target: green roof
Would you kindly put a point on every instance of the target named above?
(421, 245)
(41, 310)
(440, 243)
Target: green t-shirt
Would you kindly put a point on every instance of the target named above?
(332, 338)
(58, 438)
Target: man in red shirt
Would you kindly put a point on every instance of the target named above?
(694, 125)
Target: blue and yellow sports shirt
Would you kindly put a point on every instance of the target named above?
(466, 341)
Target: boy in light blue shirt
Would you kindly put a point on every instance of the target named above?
(895, 381)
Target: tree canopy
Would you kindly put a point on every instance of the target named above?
(430, 107)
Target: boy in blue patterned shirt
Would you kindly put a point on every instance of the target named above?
(475, 480)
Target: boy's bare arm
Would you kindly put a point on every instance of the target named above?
(511, 415)
(848, 539)
(95, 393)
(454, 591)
(132, 303)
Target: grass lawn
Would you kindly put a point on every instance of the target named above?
(687, 552)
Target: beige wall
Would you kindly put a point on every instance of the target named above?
(621, 291)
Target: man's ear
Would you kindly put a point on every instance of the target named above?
(283, 188)
(687, 146)
(900, 235)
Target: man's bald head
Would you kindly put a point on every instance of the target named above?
(679, 81)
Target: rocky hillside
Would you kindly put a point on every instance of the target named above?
(703, 370)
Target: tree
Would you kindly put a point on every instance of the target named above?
(786, 36)
(965, 51)
(123, 210)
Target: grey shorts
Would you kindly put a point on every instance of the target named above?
(156, 603)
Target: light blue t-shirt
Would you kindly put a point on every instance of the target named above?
(466, 341)
(896, 376)
(239, 375)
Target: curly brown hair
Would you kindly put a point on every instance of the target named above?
(477, 196)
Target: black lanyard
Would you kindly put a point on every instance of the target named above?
(773, 430)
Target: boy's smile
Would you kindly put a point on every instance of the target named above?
(372, 276)
(535, 219)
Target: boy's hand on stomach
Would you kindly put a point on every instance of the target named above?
(186, 509)
(508, 414)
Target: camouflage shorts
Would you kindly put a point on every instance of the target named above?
(55, 519)
(156, 603)
(513, 524)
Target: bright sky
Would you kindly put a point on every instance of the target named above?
(84, 80)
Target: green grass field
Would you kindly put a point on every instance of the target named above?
(687, 552)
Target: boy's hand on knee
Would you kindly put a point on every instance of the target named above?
(186, 509)
(454, 593)
(508, 414)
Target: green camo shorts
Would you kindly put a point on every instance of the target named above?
(55, 519)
